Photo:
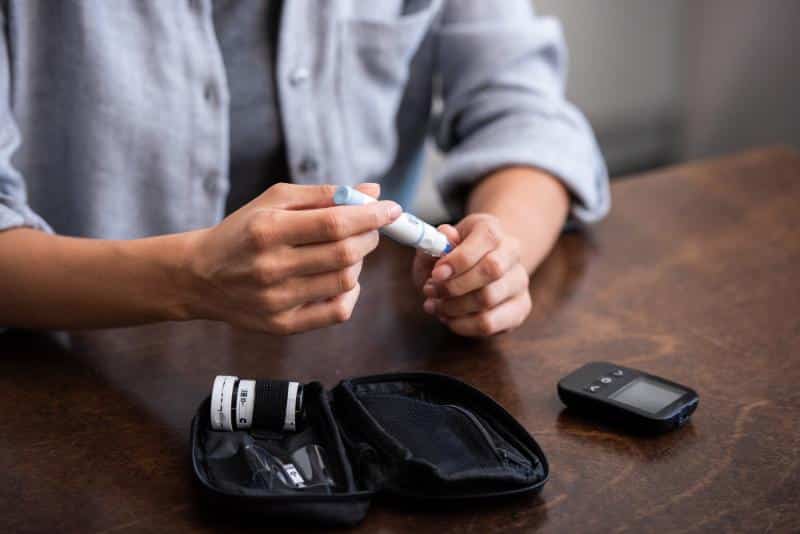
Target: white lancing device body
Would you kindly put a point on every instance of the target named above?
(406, 229)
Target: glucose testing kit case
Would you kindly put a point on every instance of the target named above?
(323, 455)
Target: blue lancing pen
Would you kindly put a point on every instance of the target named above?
(406, 229)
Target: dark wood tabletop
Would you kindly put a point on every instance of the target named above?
(695, 276)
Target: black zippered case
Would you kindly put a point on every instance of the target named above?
(420, 437)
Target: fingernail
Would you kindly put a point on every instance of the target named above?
(429, 306)
(442, 272)
(429, 290)
(395, 210)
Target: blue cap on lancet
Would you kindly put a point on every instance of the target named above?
(345, 195)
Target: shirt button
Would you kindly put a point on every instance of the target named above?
(298, 76)
(211, 183)
(308, 165)
(210, 92)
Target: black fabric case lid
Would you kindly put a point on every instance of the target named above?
(374, 431)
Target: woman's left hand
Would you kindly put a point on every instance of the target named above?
(480, 288)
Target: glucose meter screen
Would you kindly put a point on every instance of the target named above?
(647, 395)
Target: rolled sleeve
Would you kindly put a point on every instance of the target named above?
(503, 75)
(14, 209)
(14, 215)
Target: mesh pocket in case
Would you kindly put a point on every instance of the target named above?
(430, 436)
(446, 438)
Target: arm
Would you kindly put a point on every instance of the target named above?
(289, 261)
(503, 73)
(525, 155)
(50, 281)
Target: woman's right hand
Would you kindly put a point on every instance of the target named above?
(287, 262)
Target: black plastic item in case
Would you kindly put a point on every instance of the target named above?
(419, 436)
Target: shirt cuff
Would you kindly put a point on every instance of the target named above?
(549, 144)
(16, 215)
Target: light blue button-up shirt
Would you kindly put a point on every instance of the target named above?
(114, 115)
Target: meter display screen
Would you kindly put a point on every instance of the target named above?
(647, 395)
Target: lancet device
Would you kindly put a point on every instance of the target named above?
(406, 229)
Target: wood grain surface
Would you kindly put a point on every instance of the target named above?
(694, 276)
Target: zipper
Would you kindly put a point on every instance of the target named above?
(516, 459)
(485, 433)
(503, 455)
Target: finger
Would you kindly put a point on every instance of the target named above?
(370, 188)
(482, 239)
(326, 257)
(335, 223)
(424, 263)
(299, 197)
(506, 316)
(317, 314)
(514, 282)
(421, 268)
(492, 266)
(295, 196)
(450, 232)
(304, 289)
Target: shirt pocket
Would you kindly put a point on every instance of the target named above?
(375, 58)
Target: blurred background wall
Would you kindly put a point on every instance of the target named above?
(670, 80)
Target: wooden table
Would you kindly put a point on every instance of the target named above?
(695, 276)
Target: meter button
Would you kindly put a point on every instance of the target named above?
(594, 388)
(618, 372)
(606, 380)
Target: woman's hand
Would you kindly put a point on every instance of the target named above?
(480, 288)
(286, 262)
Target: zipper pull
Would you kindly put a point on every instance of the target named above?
(510, 459)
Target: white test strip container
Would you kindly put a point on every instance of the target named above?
(233, 403)
(221, 398)
(406, 229)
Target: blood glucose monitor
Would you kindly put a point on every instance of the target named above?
(637, 400)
